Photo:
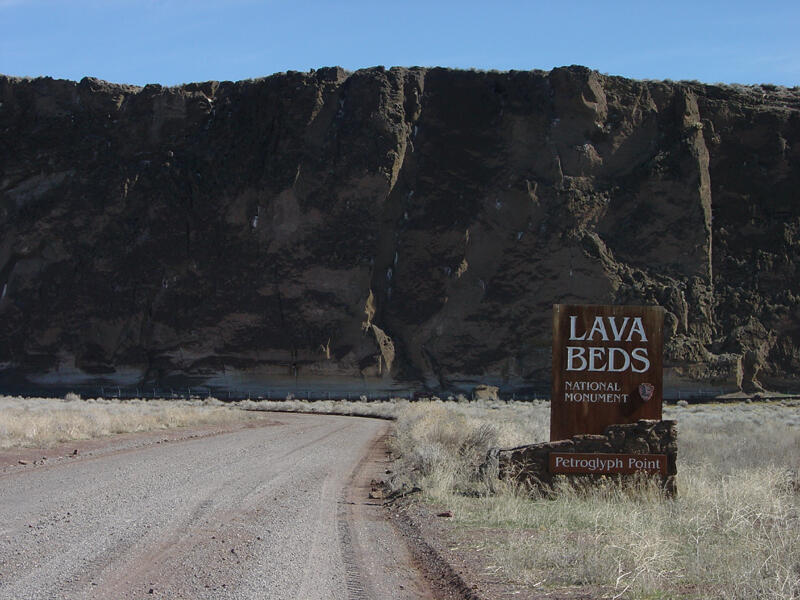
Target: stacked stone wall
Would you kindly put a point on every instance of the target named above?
(530, 464)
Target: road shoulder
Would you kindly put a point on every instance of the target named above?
(462, 557)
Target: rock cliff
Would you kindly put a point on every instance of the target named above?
(391, 229)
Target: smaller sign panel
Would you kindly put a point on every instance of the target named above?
(607, 464)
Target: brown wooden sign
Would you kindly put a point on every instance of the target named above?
(607, 464)
(607, 367)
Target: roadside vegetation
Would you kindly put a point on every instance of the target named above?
(42, 422)
(732, 532)
(383, 409)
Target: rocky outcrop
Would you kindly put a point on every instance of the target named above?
(391, 229)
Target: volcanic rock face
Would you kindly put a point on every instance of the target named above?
(391, 229)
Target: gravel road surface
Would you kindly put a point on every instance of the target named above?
(276, 511)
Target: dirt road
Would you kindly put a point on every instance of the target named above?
(277, 511)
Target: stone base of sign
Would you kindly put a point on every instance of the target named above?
(530, 465)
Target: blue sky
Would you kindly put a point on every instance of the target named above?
(176, 41)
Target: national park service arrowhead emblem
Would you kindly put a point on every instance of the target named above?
(646, 391)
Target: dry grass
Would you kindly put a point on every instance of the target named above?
(440, 444)
(42, 422)
(733, 531)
